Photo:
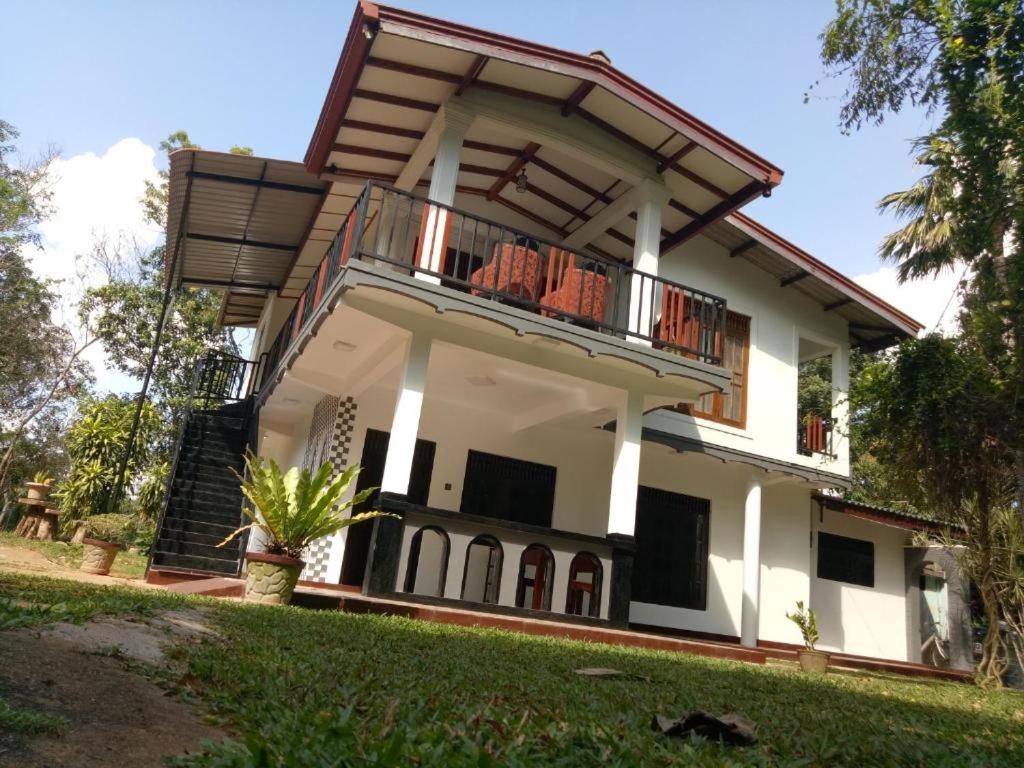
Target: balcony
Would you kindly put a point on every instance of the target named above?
(468, 255)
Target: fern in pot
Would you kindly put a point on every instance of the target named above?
(291, 510)
(811, 659)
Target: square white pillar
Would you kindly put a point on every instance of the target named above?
(626, 464)
(646, 253)
(751, 563)
(406, 422)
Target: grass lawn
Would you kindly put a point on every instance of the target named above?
(127, 565)
(302, 688)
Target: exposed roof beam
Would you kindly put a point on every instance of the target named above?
(680, 153)
(582, 91)
(423, 155)
(389, 130)
(494, 149)
(684, 209)
(837, 304)
(382, 154)
(413, 69)
(739, 250)
(794, 278)
(395, 101)
(614, 212)
(514, 167)
(206, 176)
(472, 74)
(236, 285)
(711, 215)
(241, 241)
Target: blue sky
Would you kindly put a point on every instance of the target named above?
(92, 74)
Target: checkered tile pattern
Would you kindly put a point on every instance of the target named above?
(336, 449)
(318, 440)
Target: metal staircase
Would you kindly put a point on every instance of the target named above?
(203, 503)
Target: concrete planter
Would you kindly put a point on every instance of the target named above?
(813, 661)
(37, 491)
(271, 578)
(98, 556)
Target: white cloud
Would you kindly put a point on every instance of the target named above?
(927, 301)
(95, 196)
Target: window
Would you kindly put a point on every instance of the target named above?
(508, 489)
(536, 574)
(671, 562)
(482, 577)
(428, 562)
(584, 595)
(730, 408)
(844, 559)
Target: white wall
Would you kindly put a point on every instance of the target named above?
(864, 621)
(779, 316)
(785, 560)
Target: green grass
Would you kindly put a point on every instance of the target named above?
(28, 721)
(127, 565)
(301, 688)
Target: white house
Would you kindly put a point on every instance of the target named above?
(516, 286)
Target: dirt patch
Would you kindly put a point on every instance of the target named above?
(28, 561)
(82, 673)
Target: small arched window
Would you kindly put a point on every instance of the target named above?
(428, 562)
(482, 577)
(536, 574)
(584, 595)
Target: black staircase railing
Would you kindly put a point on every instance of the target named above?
(493, 261)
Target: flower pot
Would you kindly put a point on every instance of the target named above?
(271, 578)
(813, 661)
(98, 556)
(38, 491)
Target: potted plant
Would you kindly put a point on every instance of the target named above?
(811, 659)
(292, 510)
(101, 543)
(39, 488)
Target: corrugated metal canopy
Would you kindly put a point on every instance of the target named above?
(236, 222)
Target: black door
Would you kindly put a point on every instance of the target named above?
(375, 451)
(508, 489)
(671, 562)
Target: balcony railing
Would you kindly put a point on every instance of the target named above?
(814, 436)
(489, 260)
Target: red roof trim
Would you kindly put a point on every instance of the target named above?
(822, 270)
(539, 56)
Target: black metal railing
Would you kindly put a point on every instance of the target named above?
(225, 378)
(492, 261)
(814, 436)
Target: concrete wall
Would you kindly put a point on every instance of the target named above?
(779, 318)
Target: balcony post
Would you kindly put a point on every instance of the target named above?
(840, 447)
(452, 124)
(386, 540)
(622, 502)
(751, 563)
(651, 197)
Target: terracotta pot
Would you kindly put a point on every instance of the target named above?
(271, 578)
(813, 661)
(38, 491)
(98, 556)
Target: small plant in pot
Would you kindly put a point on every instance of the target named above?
(101, 543)
(811, 659)
(292, 510)
(39, 488)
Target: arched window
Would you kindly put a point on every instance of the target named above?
(584, 596)
(536, 574)
(428, 562)
(482, 576)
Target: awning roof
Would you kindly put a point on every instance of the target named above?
(236, 222)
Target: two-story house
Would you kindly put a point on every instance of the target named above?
(515, 285)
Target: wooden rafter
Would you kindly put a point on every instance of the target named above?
(582, 91)
(712, 214)
(413, 69)
(837, 304)
(795, 278)
(514, 167)
(395, 101)
(739, 250)
(679, 154)
(388, 130)
(472, 74)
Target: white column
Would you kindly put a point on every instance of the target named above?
(651, 198)
(751, 563)
(406, 422)
(841, 407)
(443, 179)
(626, 464)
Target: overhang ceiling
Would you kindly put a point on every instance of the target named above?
(235, 223)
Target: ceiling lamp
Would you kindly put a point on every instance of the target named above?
(521, 180)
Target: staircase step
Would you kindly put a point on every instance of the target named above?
(185, 511)
(195, 563)
(207, 492)
(203, 539)
(206, 473)
(212, 551)
(200, 528)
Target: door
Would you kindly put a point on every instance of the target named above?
(375, 451)
(671, 562)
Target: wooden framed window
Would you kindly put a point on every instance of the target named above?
(730, 408)
(508, 489)
(841, 558)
